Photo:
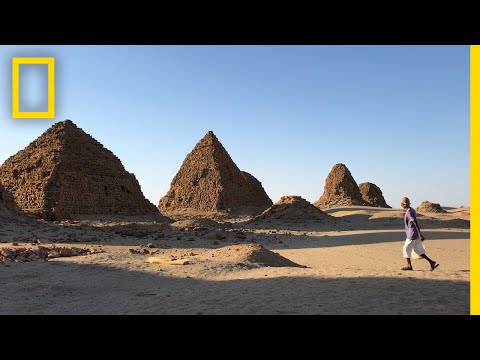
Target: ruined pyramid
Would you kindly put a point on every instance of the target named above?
(293, 209)
(429, 207)
(209, 180)
(340, 189)
(372, 195)
(65, 172)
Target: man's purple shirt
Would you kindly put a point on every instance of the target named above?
(410, 229)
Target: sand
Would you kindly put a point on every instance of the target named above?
(352, 266)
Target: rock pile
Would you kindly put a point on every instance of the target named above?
(197, 224)
(292, 209)
(42, 253)
(252, 254)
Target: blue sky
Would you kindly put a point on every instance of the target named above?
(397, 116)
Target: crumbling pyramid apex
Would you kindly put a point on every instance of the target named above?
(209, 180)
(65, 172)
(340, 189)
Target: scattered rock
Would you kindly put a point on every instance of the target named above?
(45, 253)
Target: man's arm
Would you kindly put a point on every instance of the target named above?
(418, 229)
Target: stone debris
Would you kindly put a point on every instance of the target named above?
(42, 253)
(197, 224)
(139, 251)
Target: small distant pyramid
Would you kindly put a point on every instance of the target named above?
(209, 180)
(340, 189)
(372, 194)
(428, 207)
(292, 209)
(65, 172)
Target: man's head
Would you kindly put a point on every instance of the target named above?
(405, 202)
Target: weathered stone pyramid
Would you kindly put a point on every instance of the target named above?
(293, 209)
(372, 194)
(209, 180)
(65, 172)
(428, 207)
(340, 189)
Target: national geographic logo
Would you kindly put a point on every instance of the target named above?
(50, 112)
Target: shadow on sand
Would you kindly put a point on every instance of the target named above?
(357, 222)
(58, 287)
(345, 239)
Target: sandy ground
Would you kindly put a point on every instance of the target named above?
(353, 267)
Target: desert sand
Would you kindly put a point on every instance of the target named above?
(349, 264)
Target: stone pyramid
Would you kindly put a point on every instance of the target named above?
(293, 209)
(429, 207)
(65, 172)
(340, 189)
(372, 194)
(209, 180)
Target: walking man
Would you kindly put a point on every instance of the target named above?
(414, 237)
